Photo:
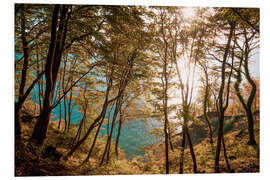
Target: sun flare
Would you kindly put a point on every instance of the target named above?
(188, 12)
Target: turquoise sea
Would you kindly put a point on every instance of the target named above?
(134, 133)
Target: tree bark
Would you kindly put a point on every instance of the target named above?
(94, 142)
(54, 56)
(181, 167)
(205, 106)
(246, 105)
(18, 105)
(191, 151)
(170, 138)
(108, 144)
(82, 122)
(225, 154)
(220, 99)
(60, 111)
(164, 80)
(69, 109)
(101, 115)
(119, 132)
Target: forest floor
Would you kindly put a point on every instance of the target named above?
(36, 161)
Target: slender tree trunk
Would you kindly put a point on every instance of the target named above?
(64, 89)
(65, 111)
(166, 142)
(118, 133)
(41, 83)
(122, 85)
(18, 105)
(108, 144)
(220, 135)
(191, 151)
(205, 107)
(69, 109)
(92, 126)
(181, 168)
(247, 106)
(251, 97)
(60, 109)
(170, 139)
(220, 100)
(94, 142)
(39, 88)
(165, 107)
(102, 114)
(78, 134)
(225, 154)
(60, 116)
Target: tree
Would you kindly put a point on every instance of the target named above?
(56, 48)
(248, 46)
(221, 106)
(27, 33)
(161, 49)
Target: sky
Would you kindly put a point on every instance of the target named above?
(255, 65)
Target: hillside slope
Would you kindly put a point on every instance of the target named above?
(35, 161)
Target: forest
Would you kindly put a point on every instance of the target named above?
(114, 89)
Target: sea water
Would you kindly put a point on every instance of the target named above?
(134, 133)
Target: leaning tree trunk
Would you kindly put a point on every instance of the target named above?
(108, 144)
(225, 154)
(79, 131)
(92, 126)
(94, 142)
(191, 151)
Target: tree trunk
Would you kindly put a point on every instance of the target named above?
(69, 109)
(191, 151)
(17, 123)
(166, 144)
(52, 66)
(78, 134)
(205, 107)
(102, 114)
(92, 126)
(247, 106)
(225, 154)
(252, 140)
(181, 168)
(118, 133)
(94, 142)
(18, 105)
(251, 97)
(60, 110)
(39, 87)
(220, 99)
(108, 144)
(64, 89)
(170, 139)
